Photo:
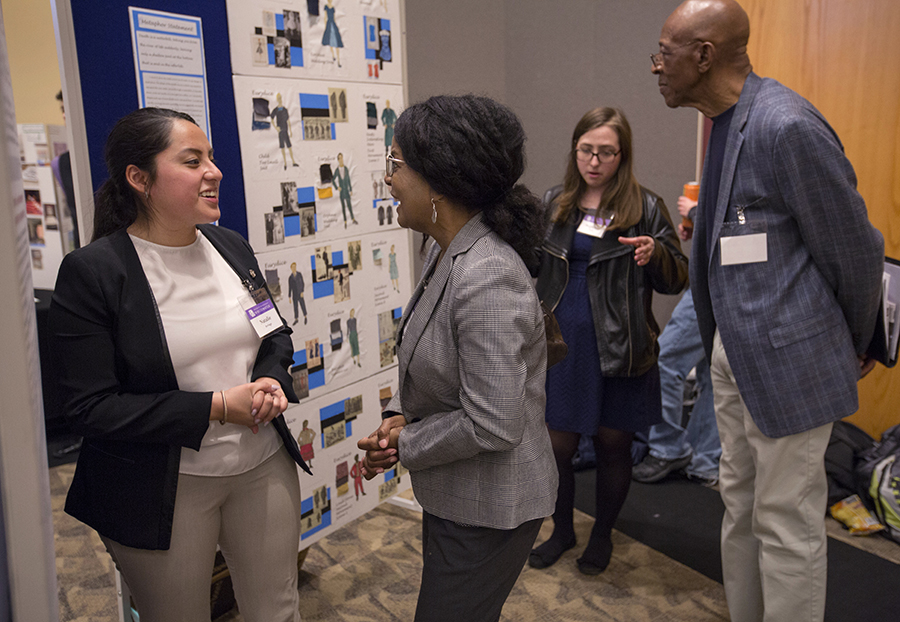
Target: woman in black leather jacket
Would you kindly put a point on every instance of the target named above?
(610, 245)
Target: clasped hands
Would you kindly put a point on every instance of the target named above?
(252, 404)
(381, 447)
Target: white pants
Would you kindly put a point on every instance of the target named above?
(254, 517)
(775, 494)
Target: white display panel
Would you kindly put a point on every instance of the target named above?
(341, 39)
(353, 294)
(313, 155)
(318, 86)
(326, 429)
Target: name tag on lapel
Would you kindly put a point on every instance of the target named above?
(742, 249)
(260, 311)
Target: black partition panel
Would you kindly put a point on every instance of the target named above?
(109, 87)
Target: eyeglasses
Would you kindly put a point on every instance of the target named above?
(584, 154)
(392, 164)
(656, 60)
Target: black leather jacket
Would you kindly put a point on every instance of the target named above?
(621, 292)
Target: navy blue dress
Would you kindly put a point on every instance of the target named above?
(579, 398)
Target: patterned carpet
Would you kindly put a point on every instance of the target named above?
(369, 572)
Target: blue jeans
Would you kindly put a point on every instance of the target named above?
(680, 349)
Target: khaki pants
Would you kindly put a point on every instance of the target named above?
(254, 517)
(775, 494)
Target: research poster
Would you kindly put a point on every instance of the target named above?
(318, 88)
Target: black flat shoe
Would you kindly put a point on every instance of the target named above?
(588, 568)
(545, 556)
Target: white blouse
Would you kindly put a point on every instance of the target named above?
(211, 343)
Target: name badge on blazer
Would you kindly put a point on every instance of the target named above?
(741, 249)
(260, 311)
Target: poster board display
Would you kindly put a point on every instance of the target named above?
(42, 212)
(317, 90)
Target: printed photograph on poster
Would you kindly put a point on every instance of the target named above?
(323, 270)
(341, 478)
(378, 45)
(314, 110)
(380, 120)
(37, 259)
(305, 439)
(356, 39)
(336, 335)
(353, 338)
(278, 42)
(354, 251)
(337, 98)
(289, 198)
(35, 231)
(313, 353)
(50, 219)
(274, 228)
(388, 489)
(33, 203)
(300, 381)
(385, 212)
(388, 321)
(384, 396)
(274, 283)
(343, 183)
(380, 189)
(314, 511)
(341, 283)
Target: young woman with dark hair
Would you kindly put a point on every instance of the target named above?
(611, 244)
(467, 420)
(173, 387)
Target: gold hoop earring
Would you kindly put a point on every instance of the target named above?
(433, 211)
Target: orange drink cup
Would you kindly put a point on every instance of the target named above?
(692, 191)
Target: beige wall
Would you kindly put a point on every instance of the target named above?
(33, 64)
(840, 55)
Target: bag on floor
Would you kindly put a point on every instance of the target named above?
(878, 473)
(845, 448)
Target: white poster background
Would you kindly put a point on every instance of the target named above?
(169, 63)
(315, 122)
(332, 496)
(369, 31)
(359, 138)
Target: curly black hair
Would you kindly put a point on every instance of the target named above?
(472, 150)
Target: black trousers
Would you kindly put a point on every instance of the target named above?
(468, 572)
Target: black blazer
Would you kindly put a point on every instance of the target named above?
(120, 392)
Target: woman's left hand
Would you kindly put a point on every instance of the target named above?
(643, 248)
(269, 401)
(382, 446)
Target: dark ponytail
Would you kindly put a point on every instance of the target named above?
(472, 150)
(137, 138)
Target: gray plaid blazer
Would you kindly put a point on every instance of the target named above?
(473, 358)
(792, 325)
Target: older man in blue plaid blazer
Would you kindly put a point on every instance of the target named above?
(785, 273)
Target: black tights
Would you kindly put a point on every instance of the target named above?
(613, 449)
